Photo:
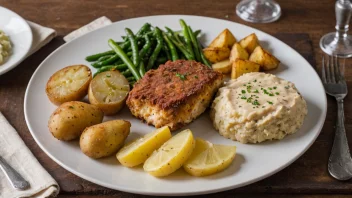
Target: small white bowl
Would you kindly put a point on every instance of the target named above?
(20, 35)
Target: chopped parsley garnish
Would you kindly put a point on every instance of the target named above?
(287, 87)
(255, 102)
(108, 75)
(249, 100)
(181, 76)
(270, 102)
(71, 107)
(271, 94)
(277, 93)
(255, 80)
(243, 91)
(243, 97)
(196, 77)
(270, 88)
(274, 87)
(256, 91)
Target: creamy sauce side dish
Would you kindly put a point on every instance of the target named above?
(5, 47)
(257, 107)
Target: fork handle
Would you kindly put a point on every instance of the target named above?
(13, 176)
(340, 161)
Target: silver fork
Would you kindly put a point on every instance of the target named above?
(17, 181)
(340, 161)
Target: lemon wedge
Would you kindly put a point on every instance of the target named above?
(208, 158)
(108, 90)
(136, 152)
(171, 155)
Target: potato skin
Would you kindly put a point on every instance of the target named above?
(104, 139)
(69, 120)
(78, 94)
(216, 54)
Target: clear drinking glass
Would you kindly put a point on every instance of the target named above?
(339, 43)
(258, 11)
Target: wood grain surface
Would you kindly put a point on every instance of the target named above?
(301, 26)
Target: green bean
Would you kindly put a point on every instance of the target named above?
(131, 78)
(141, 69)
(182, 48)
(167, 51)
(203, 58)
(157, 49)
(161, 60)
(126, 73)
(194, 43)
(103, 69)
(104, 58)
(143, 29)
(197, 32)
(95, 57)
(187, 37)
(135, 54)
(146, 46)
(125, 59)
(174, 55)
(106, 62)
(173, 34)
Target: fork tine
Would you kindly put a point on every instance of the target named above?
(332, 66)
(339, 76)
(323, 69)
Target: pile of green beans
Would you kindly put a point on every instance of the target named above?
(147, 49)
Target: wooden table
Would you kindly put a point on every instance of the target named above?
(306, 177)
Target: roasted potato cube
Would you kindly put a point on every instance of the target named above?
(264, 59)
(216, 54)
(250, 42)
(240, 67)
(224, 39)
(237, 51)
(222, 66)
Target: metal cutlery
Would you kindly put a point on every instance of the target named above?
(16, 180)
(340, 161)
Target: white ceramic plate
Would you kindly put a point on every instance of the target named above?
(20, 35)
(253, 161)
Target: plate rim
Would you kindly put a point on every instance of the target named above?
(195, 192)
(16, 63)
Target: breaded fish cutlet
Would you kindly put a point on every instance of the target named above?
(174, 94)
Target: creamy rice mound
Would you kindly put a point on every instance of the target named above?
(257, 107)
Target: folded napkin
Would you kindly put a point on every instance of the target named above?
(19, 157)
(41, 36)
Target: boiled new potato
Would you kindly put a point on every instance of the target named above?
(69, 120)
(108, 90)
(238, 51)
(250, 42)
(216, 54)
(240, 67)
(104, 139)
(224, 39)
(264, 59)
(222, 66)
(68, 84)
(207, 158)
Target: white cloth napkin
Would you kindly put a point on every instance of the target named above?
(19, 157)
(96, 24)
(41, 36)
